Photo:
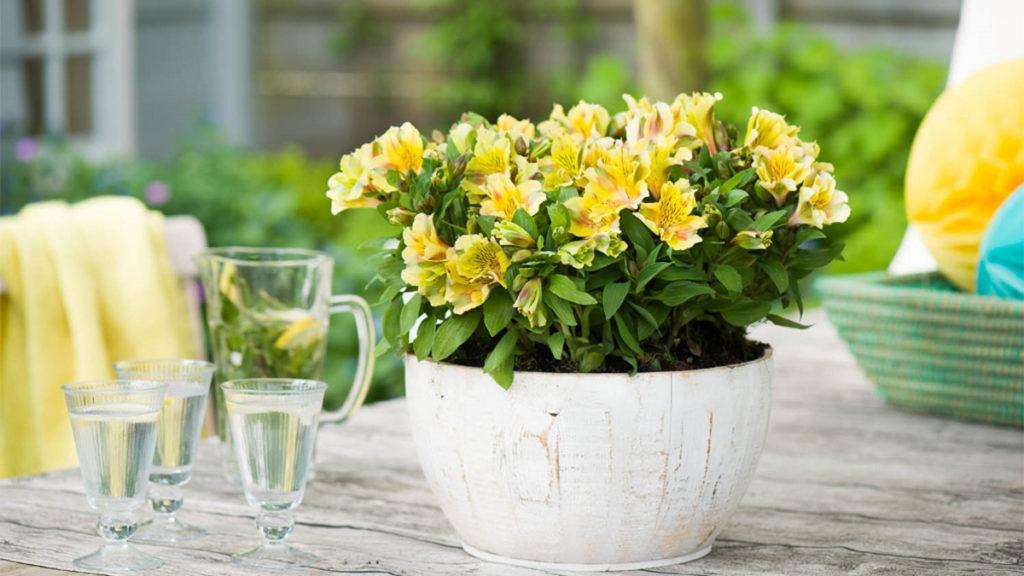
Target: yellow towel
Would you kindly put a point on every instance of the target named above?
(87, 285)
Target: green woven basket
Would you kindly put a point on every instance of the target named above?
(930, 347)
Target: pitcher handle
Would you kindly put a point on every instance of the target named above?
(364, 369)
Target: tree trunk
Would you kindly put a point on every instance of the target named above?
(670, 46)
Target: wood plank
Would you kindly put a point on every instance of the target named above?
(846, 485)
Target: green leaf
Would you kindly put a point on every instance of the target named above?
(677, 293)
(626, 334)
(453, 333)
(424, 337)
(555, 342)
(788, 323)
(392, 321)
(525, 221)
(734, 197)
(612, 297)
(560, 308)
(486, 224)
(649, 272)
(738, 180)
(563, 287)
(644, 315)
(745, 313)
(679, 273)
(636, 231)
(497, 311)
(777, 273)
(738, 219)
(410, 312)
(764, 222)
(500, 361)
(729, 278)
(592, 360)
(806, 234)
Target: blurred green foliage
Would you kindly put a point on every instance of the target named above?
(266, 199)
(863, 108)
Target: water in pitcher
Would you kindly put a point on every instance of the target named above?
(277, 443)
(180, 421)
(111, 441)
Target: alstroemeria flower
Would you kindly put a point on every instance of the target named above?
(515, 128)
(491, 155)
(402, 148)
(474, 265)
(359, 182)
(589, 217)
(820, 203)
(698, 110)
(504, 197)
(563, 167)
(665, 154)
(781, 171)
(618, 181)
(768, 130)
(529, 303)
(655, 121)
(424, 255)
(671, 216)
(584, 119)
(751, 239)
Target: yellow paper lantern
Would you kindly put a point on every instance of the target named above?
(967, 157)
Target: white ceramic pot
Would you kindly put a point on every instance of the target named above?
(589, 471)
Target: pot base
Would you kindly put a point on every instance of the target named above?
(487, 556)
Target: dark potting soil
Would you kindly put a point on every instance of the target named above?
(702, 345)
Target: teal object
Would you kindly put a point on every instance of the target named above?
(1001, 262)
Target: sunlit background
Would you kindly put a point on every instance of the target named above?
(236, 112)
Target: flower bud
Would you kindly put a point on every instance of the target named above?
(578, 254)
(529, 303)
(722, 229)
(512, 234)
(751, 239)
(521, 255)
(400, 217)
(521, 147)
(460, 166)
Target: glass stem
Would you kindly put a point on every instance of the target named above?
(116, 528)
(275, 526)
(165, 499)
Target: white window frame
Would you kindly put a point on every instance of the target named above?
(110, 42)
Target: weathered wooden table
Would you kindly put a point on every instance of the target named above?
(846, 485)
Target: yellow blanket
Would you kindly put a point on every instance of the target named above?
(86, 285)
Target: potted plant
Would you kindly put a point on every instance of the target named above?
(572, 299)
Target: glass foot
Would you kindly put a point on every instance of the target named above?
(121, 558)
(276, 556)
(167, 530)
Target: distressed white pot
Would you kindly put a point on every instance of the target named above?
(589, 471)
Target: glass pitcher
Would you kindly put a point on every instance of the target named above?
(268, 310)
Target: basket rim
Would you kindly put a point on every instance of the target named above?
(899, 289)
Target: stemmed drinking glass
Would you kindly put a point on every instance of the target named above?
(188, 385)
(273, 424)
(115, 426)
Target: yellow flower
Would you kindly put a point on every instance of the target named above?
(504, 197)
(511, 234)
(670, 217)
(781, 170)
(590, 218)
(698, 110)
(563, 166)
(459, 136)
(654, 121)
(515, 128)
(618, 181)
(820, 203)
(474, 265)
(768, 130)
(491, 155)
(664, 155)
(424, 255)
(528, 302)
(359, 183)
(583, 119)
(402, 148)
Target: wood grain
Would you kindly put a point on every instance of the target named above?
(846, 485)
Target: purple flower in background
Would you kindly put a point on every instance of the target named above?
(26, 149)
(157, 193)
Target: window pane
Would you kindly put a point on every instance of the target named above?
(32, 74)
(78, 87)
(32, 12)
(76, 15)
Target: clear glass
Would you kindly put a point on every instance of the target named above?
(115, 428)
(268, 310)
(273, 422)
(188, 386)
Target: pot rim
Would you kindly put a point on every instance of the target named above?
(764, 358)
